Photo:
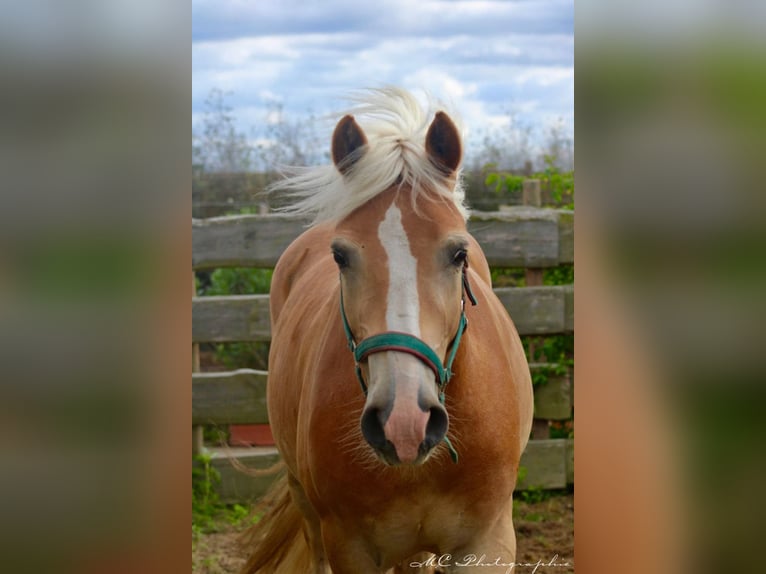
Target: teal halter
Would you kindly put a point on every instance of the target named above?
(406, 343)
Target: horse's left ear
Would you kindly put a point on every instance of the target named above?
(347, 139)
(443, 143)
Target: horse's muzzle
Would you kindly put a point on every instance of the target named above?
(405, 435)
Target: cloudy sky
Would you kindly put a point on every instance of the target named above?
(489, 59)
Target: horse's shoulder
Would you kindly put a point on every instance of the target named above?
(312, 243)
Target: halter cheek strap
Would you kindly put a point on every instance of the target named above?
(406, 343)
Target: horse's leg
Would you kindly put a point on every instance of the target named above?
(417, 563)
(346, 550)
(496, 543)
(313, 531)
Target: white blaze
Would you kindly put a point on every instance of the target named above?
(404, 378)
(403, 305)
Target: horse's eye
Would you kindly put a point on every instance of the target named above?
(459, 257)
(340, 258)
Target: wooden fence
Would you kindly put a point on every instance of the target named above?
(521, 237)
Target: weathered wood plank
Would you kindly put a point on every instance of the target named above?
(545, 462)
(220, 319)
(239, 397)
(242, 240)
(566, 236)
(569, 308)
(236, 486)
(230, 397)
(553, 399)
(230, 318)
(520, 237)
(538, 310)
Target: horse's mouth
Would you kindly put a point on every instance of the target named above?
(387, 454)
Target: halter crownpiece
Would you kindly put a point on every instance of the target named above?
(406, 343)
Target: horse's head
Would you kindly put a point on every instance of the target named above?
(401, 257)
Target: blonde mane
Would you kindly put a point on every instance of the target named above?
(396, 127)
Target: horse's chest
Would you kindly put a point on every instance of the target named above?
(406, 526)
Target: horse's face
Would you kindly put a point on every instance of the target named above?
(401, 271)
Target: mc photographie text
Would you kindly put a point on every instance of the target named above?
(472, 560)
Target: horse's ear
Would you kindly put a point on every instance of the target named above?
(443, 143)
(347, 138)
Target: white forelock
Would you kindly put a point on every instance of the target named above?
(395, 125)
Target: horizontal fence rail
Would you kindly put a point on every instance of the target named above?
(239, 397)
(544, 464)
(233, 397)
(232, 318)
(520, 237)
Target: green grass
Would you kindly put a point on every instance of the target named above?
(209, 514)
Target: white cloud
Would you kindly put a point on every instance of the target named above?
(545, 76)
(439, 83)
(484, 58)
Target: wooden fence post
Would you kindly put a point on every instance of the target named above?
(534, 278)
(530, 194)
(198, 444)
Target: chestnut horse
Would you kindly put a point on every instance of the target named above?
(399, 394)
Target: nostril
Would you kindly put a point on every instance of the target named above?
(372, 428)
(438, 423)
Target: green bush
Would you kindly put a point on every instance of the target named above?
(560, 183)
(503, 183)
(239, 281)
(208, 512)
(205, 502)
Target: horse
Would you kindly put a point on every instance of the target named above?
(399, 394)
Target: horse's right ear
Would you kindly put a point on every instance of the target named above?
(348, 140)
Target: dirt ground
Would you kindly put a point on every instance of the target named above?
(544, 531)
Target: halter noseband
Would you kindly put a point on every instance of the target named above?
(406, 343)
